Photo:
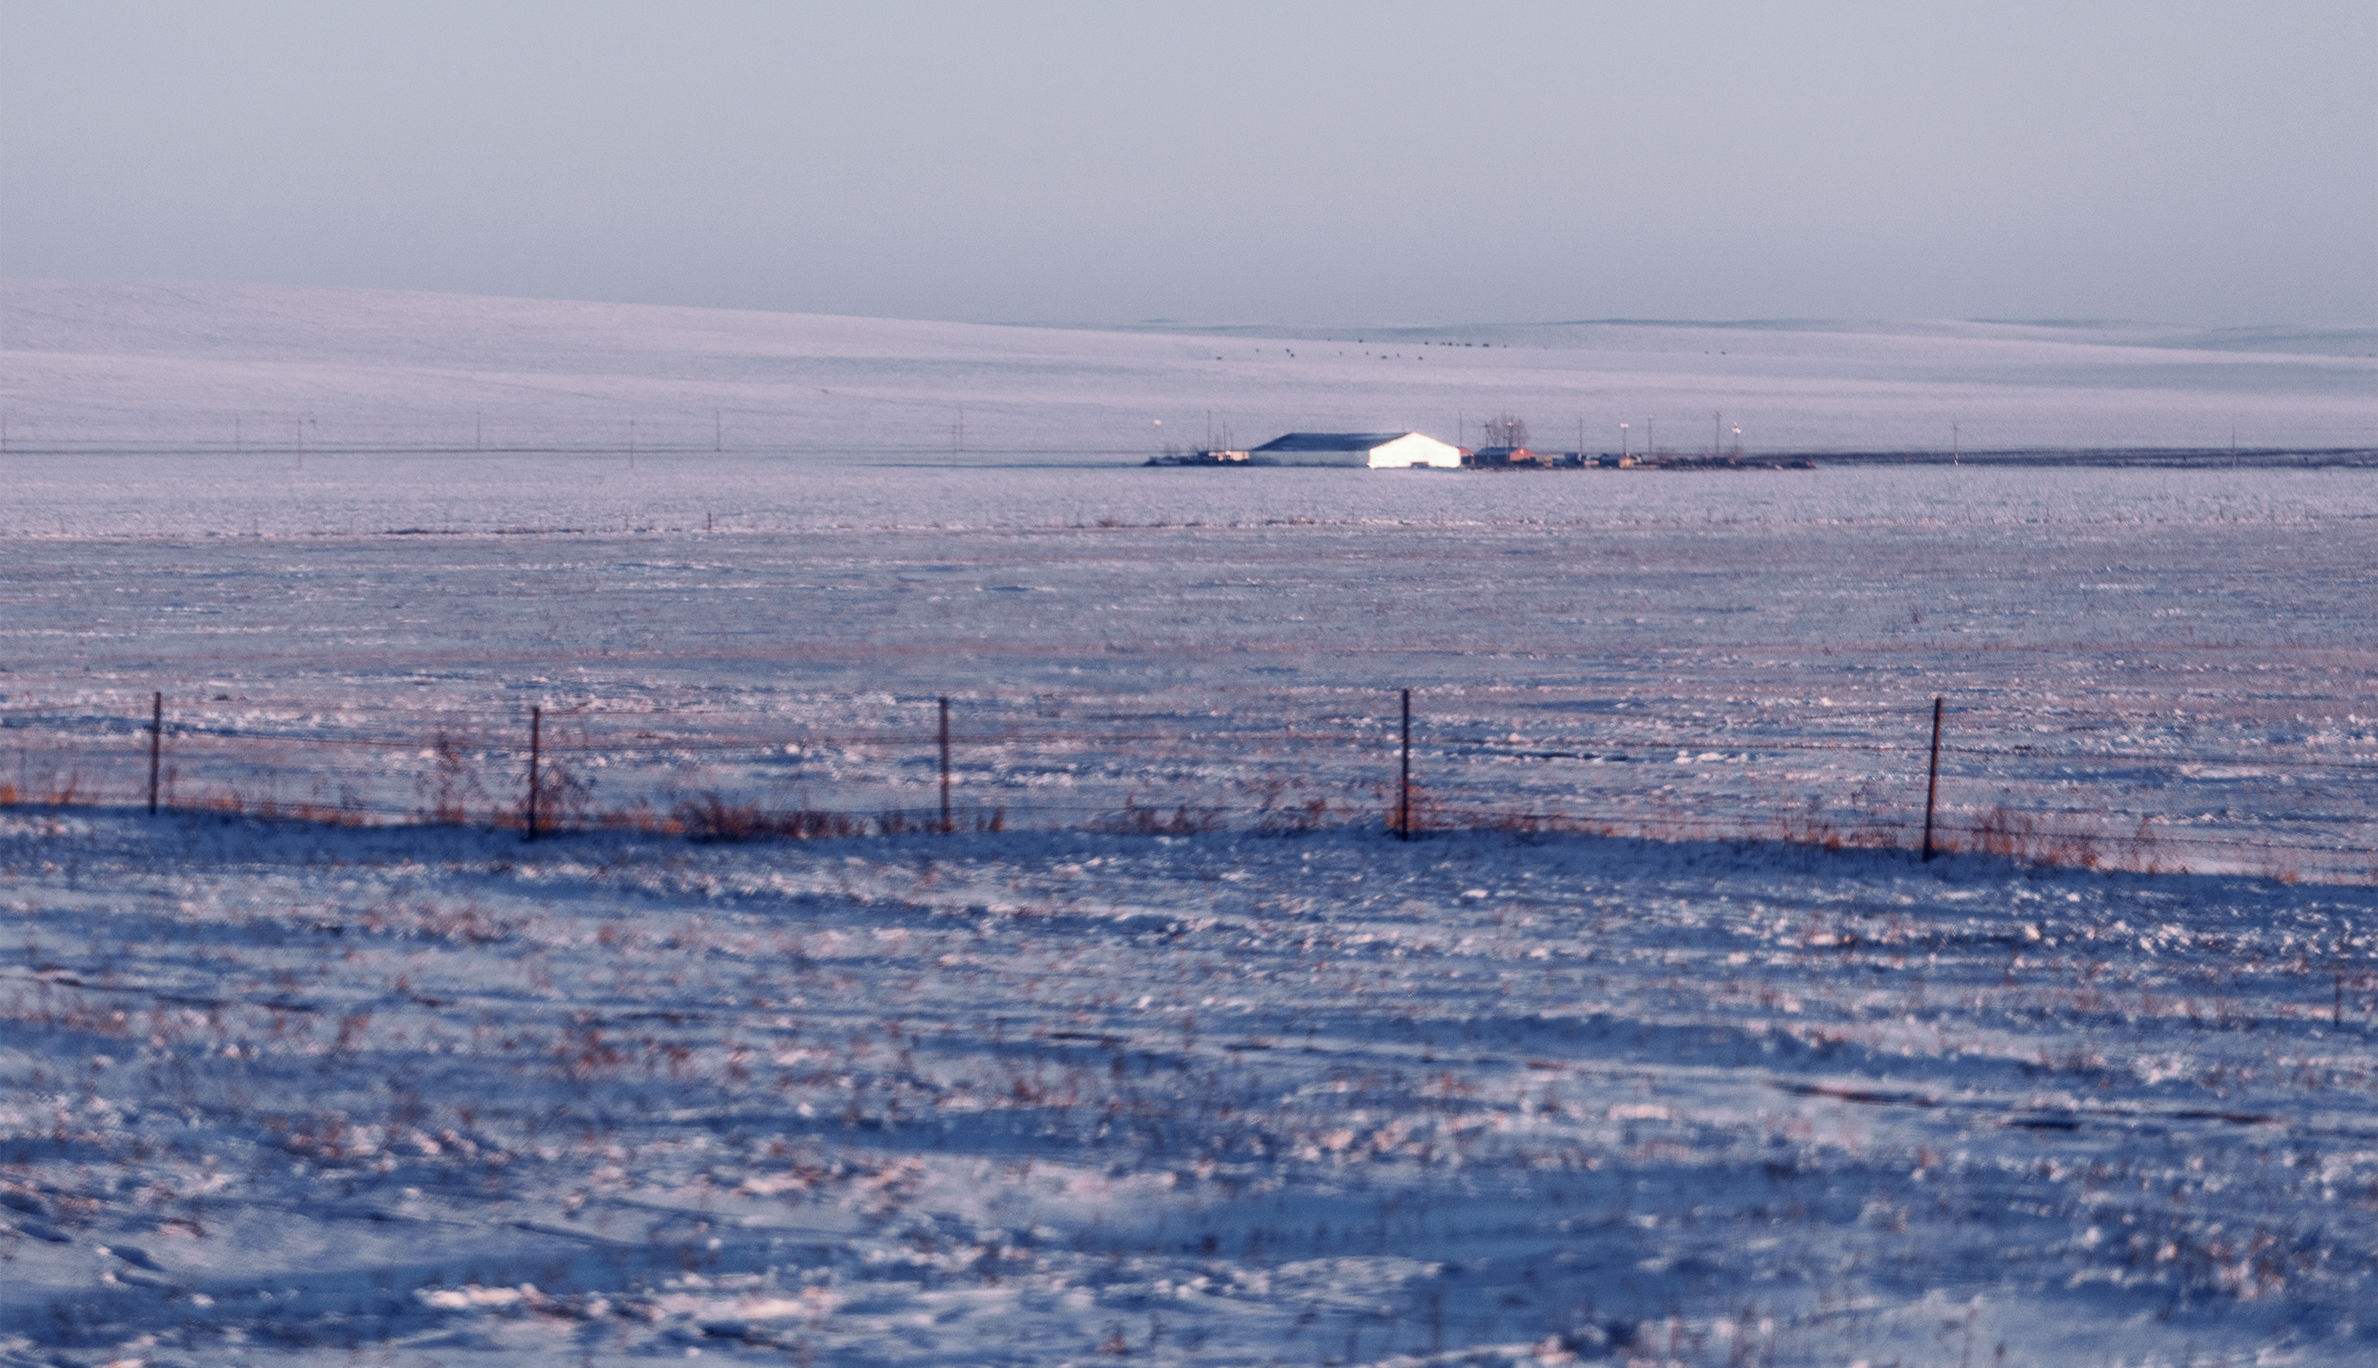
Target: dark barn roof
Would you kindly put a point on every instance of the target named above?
(1331, 441)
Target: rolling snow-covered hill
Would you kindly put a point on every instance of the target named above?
(210, 367)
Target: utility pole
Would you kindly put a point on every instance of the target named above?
(718, 430)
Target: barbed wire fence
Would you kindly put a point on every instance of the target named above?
(2061, 788)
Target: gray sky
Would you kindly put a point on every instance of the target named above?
(2175, 160)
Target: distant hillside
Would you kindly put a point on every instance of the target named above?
(205, 366)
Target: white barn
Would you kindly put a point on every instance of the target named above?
(1378, 450)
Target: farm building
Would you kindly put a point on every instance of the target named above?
(1503, 456)
(1377, 450)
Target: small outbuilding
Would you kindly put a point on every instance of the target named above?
(1377, 450)
(1494, 456)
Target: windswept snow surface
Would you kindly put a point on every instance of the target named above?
(276, 1094)
(214, 366)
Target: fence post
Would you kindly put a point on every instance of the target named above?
(1403, 803)
(156, 743)
(945, 767)
(536, 728)
(1932, 785)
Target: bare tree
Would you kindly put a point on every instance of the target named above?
(1505, 430)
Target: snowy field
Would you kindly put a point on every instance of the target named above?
(282, 1095)
(1265, 1092)
(1659, 1045)
(2177, 656)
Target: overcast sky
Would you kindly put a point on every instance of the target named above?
(2176, 160)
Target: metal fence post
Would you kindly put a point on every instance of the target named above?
(1403, 805)
(536, 728)
(1932, 785)
(945, 767)
(156, 743)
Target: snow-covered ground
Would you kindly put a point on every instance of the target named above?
(209, 496)
(209, 367)
(1712, 653)
(278, 1094)
(1286, 1091)
(1178, 1067)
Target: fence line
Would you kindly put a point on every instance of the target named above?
(1526, 761)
